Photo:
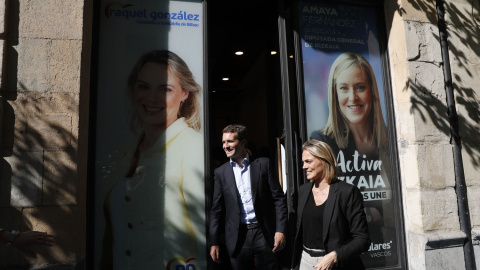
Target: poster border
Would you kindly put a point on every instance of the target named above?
(92, 129)
(392, 138)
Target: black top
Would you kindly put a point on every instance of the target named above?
(312, 221)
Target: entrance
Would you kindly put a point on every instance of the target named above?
(244, 75)
(244, 81)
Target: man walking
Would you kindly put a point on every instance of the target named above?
(251, 204)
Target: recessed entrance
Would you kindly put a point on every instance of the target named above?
(244, 81)
(244, 84)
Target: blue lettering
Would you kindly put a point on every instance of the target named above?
(153, 15)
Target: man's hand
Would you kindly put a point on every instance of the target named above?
(326, 262)
(279, 242)
(25, 240)
(215, 253)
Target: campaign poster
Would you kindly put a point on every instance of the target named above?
(345, 107)
(149, 164)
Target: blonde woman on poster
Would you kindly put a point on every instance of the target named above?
(355, 118)
(153, 192)
(357, 134)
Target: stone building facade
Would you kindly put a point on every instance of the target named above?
(431, 212)
(44, 52)
(45, 57)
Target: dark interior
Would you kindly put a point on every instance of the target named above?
(252, 95)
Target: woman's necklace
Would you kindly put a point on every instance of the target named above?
(317, 190)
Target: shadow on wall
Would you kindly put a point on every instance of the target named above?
(428, 98)
(464, 46)
(464, 51)
(39, 173)
(38, 164)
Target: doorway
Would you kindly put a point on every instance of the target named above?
(244, 80)
(244, 74)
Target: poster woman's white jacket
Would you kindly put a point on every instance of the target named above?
(156, 218)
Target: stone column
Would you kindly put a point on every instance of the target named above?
(463, 25)
(425, 153)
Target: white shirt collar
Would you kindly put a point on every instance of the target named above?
(245, 161)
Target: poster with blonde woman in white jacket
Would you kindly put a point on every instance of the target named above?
(149, 189)
(153, 191)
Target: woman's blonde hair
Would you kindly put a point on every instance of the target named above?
(322, 151)
(191, 107)
(337, 125)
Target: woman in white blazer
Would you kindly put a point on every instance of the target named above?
(153, 193)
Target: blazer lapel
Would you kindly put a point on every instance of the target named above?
(254, 178)
(329, 207)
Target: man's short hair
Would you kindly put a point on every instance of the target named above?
(241, 131)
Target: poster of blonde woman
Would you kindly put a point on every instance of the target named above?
(345, 107)
(150, 187)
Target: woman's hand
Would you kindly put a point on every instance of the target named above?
(327, 261)
(25, 240)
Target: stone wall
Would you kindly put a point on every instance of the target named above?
(464, 43)
(40, 87)
(423, 130)
(463, 20)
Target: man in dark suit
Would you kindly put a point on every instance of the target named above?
(250, 202)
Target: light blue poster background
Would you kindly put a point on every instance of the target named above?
(354, 30)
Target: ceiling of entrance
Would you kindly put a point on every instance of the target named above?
(245, 26)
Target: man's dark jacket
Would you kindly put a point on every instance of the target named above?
(268, 202)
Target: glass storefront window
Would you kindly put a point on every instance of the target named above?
(345, 106)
